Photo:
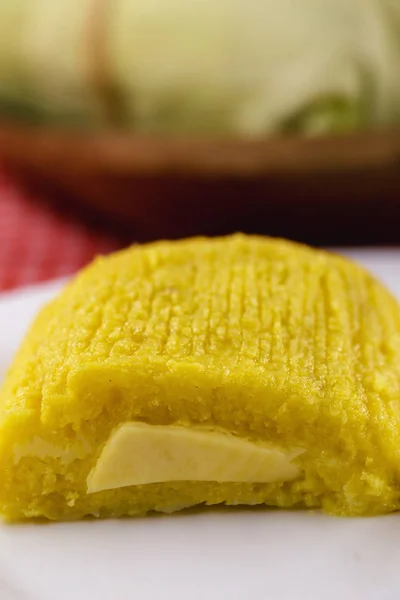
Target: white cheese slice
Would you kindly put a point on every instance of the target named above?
(138, 454)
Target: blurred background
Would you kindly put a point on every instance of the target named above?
(131, 120)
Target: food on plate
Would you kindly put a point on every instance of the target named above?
(238, 370)
(215, 67)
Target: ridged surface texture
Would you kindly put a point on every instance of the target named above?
(271, 341)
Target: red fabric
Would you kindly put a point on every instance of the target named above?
(39, 244)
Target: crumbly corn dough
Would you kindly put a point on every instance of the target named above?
(267, 342)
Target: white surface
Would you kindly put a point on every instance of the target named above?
(214, 555)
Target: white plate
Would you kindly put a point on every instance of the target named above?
(213, 555)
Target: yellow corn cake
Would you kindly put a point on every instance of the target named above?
(237, 370)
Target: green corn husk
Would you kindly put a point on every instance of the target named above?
(44, 61)
(216, 66)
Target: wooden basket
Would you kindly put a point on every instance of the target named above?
(341, 190)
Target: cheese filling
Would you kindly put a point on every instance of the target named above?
(139, 454)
